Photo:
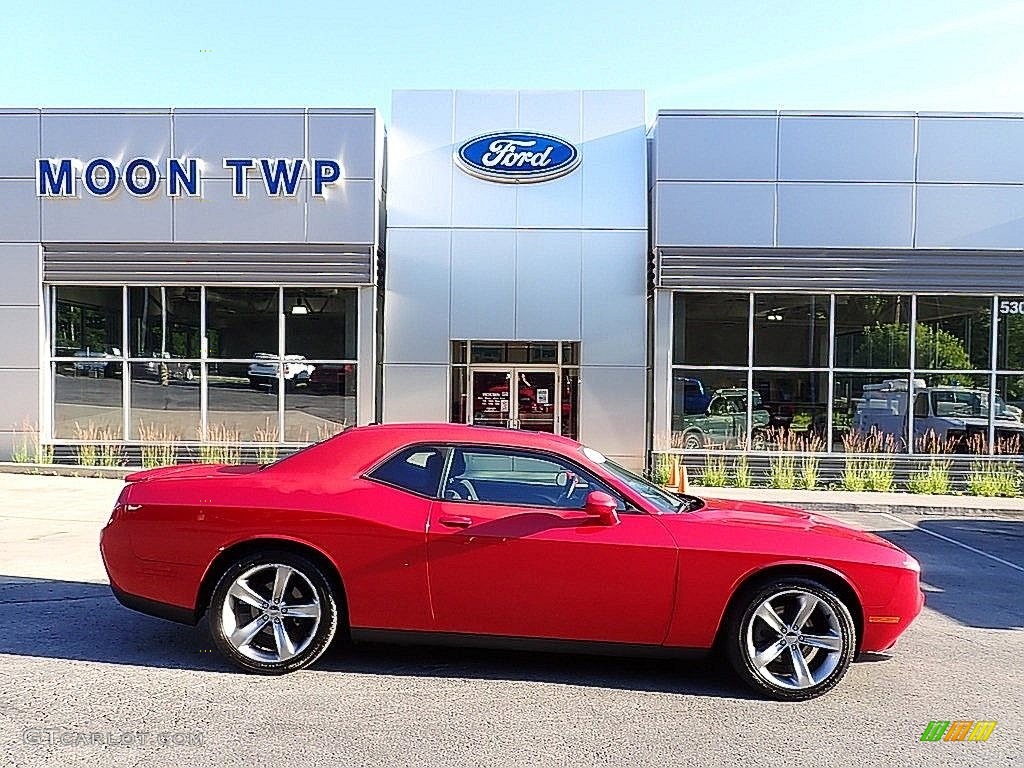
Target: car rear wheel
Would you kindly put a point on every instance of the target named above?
(273, 612)
(791, 639)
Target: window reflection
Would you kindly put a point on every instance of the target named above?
(235, 407)
(87, 321)
(86, 399)
(241, 322)
(797, 403)
(320, 323)
(164, 401)
(323, 408)
(872, 331)
(1010, 335)
(164, 322)
(791, 330)
(710, 328)
(953, 332)
(709, 410)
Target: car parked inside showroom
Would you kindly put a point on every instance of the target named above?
(953, 415)
(264, 372)
(724, 422)
(442, 533)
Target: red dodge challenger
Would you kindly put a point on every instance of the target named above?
(460, 534)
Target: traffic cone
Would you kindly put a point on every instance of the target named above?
(684, 481)
(673, 471)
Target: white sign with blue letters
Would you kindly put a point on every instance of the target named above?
(141, 177)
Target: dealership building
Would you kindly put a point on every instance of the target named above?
(540, 260)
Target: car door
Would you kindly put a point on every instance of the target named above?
(510, 552)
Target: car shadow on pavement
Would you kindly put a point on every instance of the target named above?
(83, 622)
(964, 585)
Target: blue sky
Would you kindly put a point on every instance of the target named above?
(826, 54)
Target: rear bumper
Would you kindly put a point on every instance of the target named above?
(154, 608)
(165, 590)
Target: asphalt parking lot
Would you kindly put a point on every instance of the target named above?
(84, 681)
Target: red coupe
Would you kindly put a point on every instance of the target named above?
(450, 533)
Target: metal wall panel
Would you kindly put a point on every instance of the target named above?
(845, 215)
(19, 265)
(846, 148)
(614, 165)
(419, 176)
(614, 299)
(347, 136)
(212, 135)
(698, 213)
(716, 147)
(613, 411)
(19, 211)
(415, 393)
(116, 134)
(971, 149)
(863, 270)
(20, 338)
(120, 218)
(20, 146)
(218, 216)
(21, 394)
(417, 307)
(482, 280)
(346, 213)
(970, 216)
(547, 286)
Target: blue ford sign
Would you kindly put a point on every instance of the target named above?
(517, 157)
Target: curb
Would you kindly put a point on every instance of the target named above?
(66, 470)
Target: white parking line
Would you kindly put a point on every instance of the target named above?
(954, 541)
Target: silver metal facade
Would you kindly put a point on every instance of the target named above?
(559, 260)
(215, 238)
(818, 202)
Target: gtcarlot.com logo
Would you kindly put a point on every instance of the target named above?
(958, 730)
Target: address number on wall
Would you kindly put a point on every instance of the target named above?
(1011, 307)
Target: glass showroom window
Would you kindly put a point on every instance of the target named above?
(849, 373)
(164, 346)
(230, 365)
(87, 363)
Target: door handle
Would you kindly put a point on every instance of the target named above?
(455, 521)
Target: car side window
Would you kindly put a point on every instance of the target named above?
(416, 469)
(521, 478)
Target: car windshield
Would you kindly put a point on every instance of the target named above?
(964, 403)
(663, 501)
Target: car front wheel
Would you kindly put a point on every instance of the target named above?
(791, 639)
(273, 612)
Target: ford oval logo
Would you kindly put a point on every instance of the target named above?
(520, 157)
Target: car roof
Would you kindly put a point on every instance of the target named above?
(465, 433)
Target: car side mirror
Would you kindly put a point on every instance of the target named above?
(602, 507)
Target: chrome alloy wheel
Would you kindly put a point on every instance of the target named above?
(794, 639)
(271, 613)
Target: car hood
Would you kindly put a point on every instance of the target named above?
(191, 472)
(752, 514)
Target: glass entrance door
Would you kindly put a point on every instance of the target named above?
(532, 403)
(537, 401)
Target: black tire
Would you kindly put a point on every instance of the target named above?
(311, 587)
(831, 618)
(693, 440)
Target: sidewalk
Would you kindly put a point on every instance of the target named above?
(866, 501)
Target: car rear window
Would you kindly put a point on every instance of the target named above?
(416, 469)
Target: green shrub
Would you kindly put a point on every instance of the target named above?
(994, 479)
(742, 476)
(714, 474)
(932, 477)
